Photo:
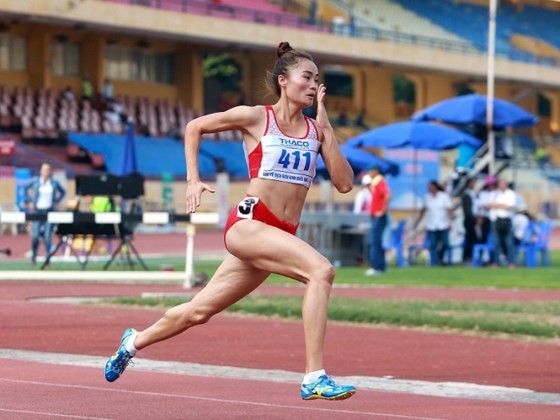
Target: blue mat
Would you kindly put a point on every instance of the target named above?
(230, 153)
(155, 155)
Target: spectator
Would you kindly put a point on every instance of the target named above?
(113, 119)
(501, 206)
(468, 203)
(483, 220)
(519, 200)
(506, 144)
(118, 108)
(313, 12)
(174, 132)
(439, 211)
(47, 193)
(526, 229)
(541, 156)
(379, 205)
(112, 115)
(68, 94)
(363, 197)
(360, 120)
(87, 88)
(107, 91)
(342, 119)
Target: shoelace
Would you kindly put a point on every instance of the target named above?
(330, 381)
(124, 362)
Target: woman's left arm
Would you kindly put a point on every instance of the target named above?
(59, 193)
(341, 173)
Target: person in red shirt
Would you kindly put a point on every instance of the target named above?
(379, 205)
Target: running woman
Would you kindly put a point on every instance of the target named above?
(282, 146)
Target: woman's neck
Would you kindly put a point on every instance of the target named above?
(287, 111)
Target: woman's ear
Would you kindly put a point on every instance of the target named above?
(282, 80)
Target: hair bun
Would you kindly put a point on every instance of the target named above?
(283, 48)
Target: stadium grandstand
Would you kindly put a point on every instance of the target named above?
(73, 73)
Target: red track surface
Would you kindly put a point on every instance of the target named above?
(170, 244)
(31, 390)
(253, 343)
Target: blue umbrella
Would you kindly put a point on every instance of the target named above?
(361, 160)
(415, 134)
(471, 109)
(129, 163)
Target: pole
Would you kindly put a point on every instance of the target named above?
(490, 83)
(189, 256)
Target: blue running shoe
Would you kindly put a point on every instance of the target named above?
(117, 364)
(325, 388)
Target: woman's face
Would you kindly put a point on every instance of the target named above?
(300, 84)
(432, 188)
(45, 171)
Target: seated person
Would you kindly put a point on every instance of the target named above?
(520, 224)
(342, 119)
(360, 120)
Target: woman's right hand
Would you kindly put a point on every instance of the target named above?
(194, 193)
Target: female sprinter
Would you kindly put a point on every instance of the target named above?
(282, 146)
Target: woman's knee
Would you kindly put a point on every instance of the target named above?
(188, 317)
(323, 271)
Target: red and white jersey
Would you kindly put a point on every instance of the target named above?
(283, 158)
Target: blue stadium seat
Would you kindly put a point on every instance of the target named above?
(470, 22)
(479, 251)
(532, 248)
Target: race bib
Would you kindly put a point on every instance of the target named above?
(289, 160)
(246, 206)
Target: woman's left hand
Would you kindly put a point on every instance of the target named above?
(322, 118)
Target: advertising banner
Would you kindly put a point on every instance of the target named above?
(417, 168)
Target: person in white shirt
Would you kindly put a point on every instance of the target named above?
(482, 219)
(363, 197)
(107, 90)
(501, 205)
(438, 210)
(47, 193)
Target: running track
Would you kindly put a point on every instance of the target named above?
(52, 355)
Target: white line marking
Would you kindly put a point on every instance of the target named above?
(219, 400)
(43, 413)
(417, 387)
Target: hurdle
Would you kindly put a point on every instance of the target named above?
(153, 218)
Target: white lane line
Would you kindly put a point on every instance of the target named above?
(44, 413)
(434, 389)
(211, 399)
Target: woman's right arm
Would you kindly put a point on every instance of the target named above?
(242, 118)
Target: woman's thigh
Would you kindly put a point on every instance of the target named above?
(234, 279)
(273, 250)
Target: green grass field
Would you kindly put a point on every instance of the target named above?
(527, 320)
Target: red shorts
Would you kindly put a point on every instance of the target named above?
(253, 208)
